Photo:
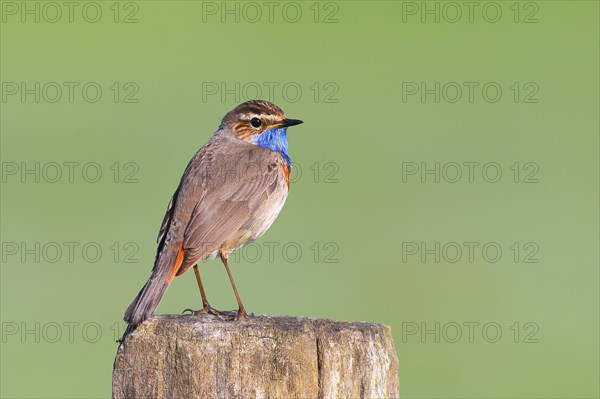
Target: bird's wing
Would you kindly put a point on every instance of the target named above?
(166, 219)
(237, 182)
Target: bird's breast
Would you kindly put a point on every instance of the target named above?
(265, 210)
(266, 213)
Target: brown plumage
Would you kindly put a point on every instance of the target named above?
(230, 193)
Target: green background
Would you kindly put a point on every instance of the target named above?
(358, 205)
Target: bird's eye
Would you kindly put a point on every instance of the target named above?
(255, 122)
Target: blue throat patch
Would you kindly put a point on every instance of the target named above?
(274, 139)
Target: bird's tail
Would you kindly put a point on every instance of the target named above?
(149, 297)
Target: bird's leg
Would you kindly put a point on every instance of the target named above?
(200, 286)
(206, 308)
(241, 313)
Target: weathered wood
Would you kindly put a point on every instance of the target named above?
(266, 357)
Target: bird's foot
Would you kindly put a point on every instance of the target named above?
(207, 309)
(241, 315)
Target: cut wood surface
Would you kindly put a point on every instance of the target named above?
(266, 357)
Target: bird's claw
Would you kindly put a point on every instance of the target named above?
(205, 310)
(241, 315)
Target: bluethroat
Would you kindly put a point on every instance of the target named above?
(230, 193)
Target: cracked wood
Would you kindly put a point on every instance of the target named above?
(267, 357)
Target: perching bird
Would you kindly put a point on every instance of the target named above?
(230, 193)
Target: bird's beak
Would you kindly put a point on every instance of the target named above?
(290, 122)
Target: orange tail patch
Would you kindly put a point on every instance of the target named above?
(177, 264)
(286, 174)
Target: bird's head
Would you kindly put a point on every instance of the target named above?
(261, 123)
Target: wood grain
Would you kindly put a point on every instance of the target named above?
(266, 357)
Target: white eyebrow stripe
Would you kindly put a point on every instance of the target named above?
(247, 117)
